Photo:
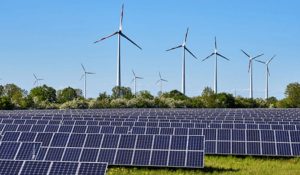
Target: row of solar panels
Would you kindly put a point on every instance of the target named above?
(161, 119)
(137, 150)
(217, 140)
(19, 167)
(15, 127)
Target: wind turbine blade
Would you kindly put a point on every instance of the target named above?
(164, 80)
(35, 82)
(257, 56)
(106, 37)
(190, 52)
(81, 76)
(35, 76)
(83, 68)
(121, 17)
(245, 53)
(271, 59)
(249, 66)
(261, 61)
(159, 75)
(268, 70)
(208, 56)
(133, 73)
(222, 56)
(216, 43)
(174, 48)
(186, 35)
(139, 77)
(130, 40)
(90, 73)
(157, 81)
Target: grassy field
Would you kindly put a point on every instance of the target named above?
(230, 165)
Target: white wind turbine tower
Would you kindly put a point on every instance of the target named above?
(216, 53)
(160, 81)
(250, 70)
(267, 74)
(120, 34)
(183, 59)
(84, 75)
(134, 81)
(37, 80)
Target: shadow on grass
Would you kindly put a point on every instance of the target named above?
(218, 170)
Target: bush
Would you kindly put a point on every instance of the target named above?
(118, 103)
(96, 104)
(5, 103)
(75, 104)
(140, 102)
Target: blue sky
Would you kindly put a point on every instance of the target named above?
(52, 38)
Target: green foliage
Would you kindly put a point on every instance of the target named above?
(119, 103)
(121, 92)
(15, 94)
(1, 90)
(67, 94)
(222, 165)
(241, 102)
(75, 104)
(99, 103)
(174, 94)
(140, 102)
(103, 96)
(209, 98)
(225, 100)
(5, 103)
(145, 95)
(43, 93)
(292, 93)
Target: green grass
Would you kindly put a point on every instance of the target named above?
(229, 165)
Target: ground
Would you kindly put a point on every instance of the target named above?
(230, 165)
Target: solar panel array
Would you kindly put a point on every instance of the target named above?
(19, 167)
(147, 137)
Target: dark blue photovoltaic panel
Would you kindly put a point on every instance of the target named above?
(8, 150)
(92, 168)
(44, 138)
(161, 142)
(268, 148)
(210, 147)
(195, 159)
(93, 129)
(238, 148)
(124, 157)
(267, 136)
(296, 149)
(107, 155)
(177, 158)
(159, 158)
(282, 136)
(34, 167)
(110, 141)
(10, 167)
(141, 157)
(67, 168)
(238, 135)
(295, 136)
(24, 128)
(60, 140)
(72, 154)
(127, 141)
(28, 151)
(252, 135)
(11, 136)
(253, 148)
(144, 141)
(27, 137)
(210, 134)
(107, 129)
(54, 154)
(284, 149)
(76, 140)
(166, 131)
(151, 130)
(223, 147)
(93, 140)
(224, 134)
(89, 155)
(178, 142)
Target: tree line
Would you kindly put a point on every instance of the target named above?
(46, 97)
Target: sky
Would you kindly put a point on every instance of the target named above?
(52, 38)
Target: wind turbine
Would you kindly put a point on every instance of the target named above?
(250, 70)
(85, 73)
(37, 80)
(120, 34)
(160, 81)
(134, 80)
(267, 74)
(183, 59)
(216, 53)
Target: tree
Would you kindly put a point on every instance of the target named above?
(43, 93)
(292, 93)
(103, 96)
(121, 92)
(67, 94)
(5, 103)
(145, 95)
(1, 90)
(209, 98)
(225, 100)
(14, 93)
(174, 94)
